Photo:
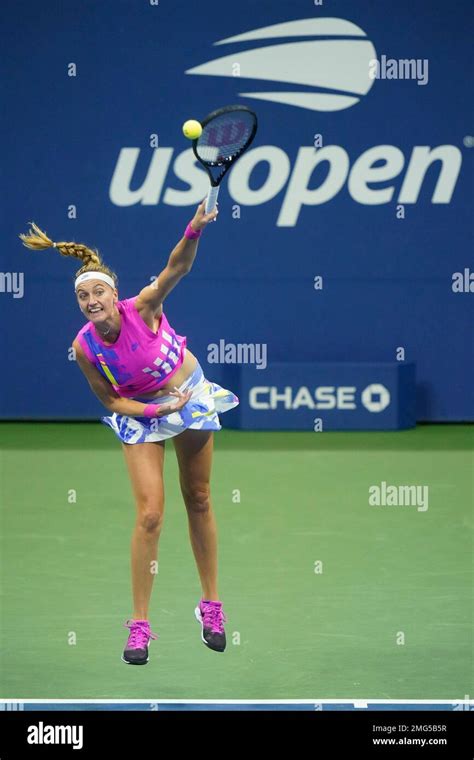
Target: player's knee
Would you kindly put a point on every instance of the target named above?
(197, 498)
(150, 519)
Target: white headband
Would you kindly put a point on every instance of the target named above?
(94, 276)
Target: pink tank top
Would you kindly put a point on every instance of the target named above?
(139, 361)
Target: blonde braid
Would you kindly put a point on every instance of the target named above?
(91, 261)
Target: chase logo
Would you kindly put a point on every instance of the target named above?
(374, 397)
(335, 66)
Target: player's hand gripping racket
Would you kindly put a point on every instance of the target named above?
(226, 134)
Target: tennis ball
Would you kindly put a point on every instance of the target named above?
(192, 129)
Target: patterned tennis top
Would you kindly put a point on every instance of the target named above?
(139, 361)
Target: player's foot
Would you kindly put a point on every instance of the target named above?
(136, 649)
(211, 616)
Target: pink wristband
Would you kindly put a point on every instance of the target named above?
(190, 233)
(151, 410)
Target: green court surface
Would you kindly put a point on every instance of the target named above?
(386, 614)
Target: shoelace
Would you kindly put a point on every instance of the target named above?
(139, 634)
(213, 618)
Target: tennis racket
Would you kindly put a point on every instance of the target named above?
(226, 135)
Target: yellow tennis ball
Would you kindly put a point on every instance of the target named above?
(192, 129)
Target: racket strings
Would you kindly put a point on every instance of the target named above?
(224, 138)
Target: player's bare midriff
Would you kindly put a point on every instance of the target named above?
(187, 368)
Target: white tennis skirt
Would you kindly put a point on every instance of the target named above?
(200, 413)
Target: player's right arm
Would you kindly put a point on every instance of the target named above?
(181, 259)
(111, 399)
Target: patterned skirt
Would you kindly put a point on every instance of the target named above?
(200, 413)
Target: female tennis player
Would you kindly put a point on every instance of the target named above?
(146, 376)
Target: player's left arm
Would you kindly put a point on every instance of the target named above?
(179, 263)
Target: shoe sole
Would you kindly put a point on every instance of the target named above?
(134, 663)
(198, 615)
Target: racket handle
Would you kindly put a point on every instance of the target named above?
(211, 199)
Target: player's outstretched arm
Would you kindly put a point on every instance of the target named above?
(179, 264)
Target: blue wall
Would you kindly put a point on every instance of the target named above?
(387, 281)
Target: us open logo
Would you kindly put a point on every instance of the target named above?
(337, 63)
(329, 73)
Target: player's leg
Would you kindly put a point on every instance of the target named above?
(145, 467)
(194, 449)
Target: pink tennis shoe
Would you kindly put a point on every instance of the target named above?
(136, 649)
(211, 616)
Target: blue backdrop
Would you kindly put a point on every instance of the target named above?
(386, 228)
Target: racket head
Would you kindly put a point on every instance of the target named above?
(226, 134)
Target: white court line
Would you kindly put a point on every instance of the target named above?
(349, 700)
